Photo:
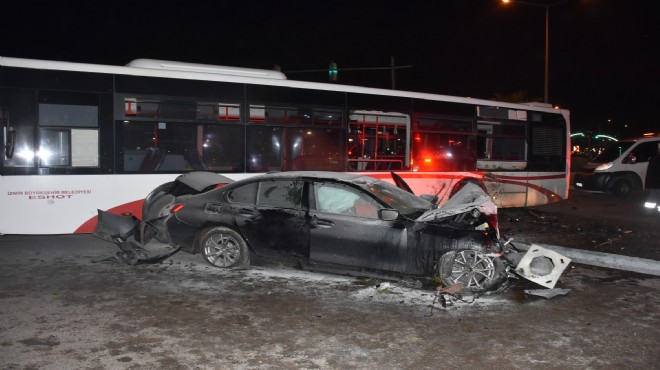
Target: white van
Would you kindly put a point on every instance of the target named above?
(621, 168)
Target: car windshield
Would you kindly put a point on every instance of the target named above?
(406, 203)
(613, 152)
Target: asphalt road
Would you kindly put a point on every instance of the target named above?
(63, 306)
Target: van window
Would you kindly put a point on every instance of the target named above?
(644, 151)
(613, 152)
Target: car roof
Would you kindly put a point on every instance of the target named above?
(314, 175)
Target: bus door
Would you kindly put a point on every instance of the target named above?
(502, 151)
(17, 122)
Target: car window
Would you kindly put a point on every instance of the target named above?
(280, 194)
(340, 199)
(244, 194)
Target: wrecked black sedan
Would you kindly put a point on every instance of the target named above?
(325, 221)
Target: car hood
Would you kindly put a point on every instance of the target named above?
(471, 196)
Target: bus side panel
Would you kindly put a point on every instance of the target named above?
(527, 189)
(57, 204)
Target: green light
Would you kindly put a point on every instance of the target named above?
(578, 134)
(333, 71)
(606, 137)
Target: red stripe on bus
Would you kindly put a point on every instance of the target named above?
(459, 175)
(512, 180)
(546, 177)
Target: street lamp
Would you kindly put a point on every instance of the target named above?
(547, 36)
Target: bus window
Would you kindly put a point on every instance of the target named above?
(54, 148)
(377, 141)
(181, 136)
(443, 143)
(68, 135)
(161, 147)
(314, 148)
(443, 152)
(501, 142)
(223, 147)
(294, 138)
(264, 148)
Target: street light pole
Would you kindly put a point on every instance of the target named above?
(547, 38)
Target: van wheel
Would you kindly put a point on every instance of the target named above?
(622, 188)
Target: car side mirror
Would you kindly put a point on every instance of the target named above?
(388, 214)
(631, 158)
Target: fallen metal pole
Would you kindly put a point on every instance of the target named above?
(600, 259)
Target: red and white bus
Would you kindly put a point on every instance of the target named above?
(81, 137)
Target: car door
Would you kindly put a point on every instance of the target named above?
(345, 229)
(638, 160)
(270, 215)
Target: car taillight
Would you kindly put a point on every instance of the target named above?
(219, 186)
(176, 208)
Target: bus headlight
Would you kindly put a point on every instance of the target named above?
(604, 166)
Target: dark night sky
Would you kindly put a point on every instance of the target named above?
(604, 54)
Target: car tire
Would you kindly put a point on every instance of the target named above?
(622, 188)
(474, 270)
(224, 247)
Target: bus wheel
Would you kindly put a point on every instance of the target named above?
(622, 188)
(474, 270)
(224, 247)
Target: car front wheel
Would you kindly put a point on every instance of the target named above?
(474, 270)
(622, 188)
(224, 247)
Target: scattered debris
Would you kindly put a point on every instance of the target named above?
(547, 293)
(542, 266)
(383, 288)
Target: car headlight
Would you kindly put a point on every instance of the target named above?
(604, 166)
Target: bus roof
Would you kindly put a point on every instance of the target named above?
(205, 72)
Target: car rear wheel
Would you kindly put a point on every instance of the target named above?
(224, 247)
(474, 270)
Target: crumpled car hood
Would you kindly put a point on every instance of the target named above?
(470, 196)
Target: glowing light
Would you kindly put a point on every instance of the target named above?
(44, 154)
(606, 137)
(26, 154)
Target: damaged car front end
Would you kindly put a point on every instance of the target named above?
(345, 223)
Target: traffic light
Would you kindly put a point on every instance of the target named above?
(333, 71)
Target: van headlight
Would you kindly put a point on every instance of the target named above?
(604, 166)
